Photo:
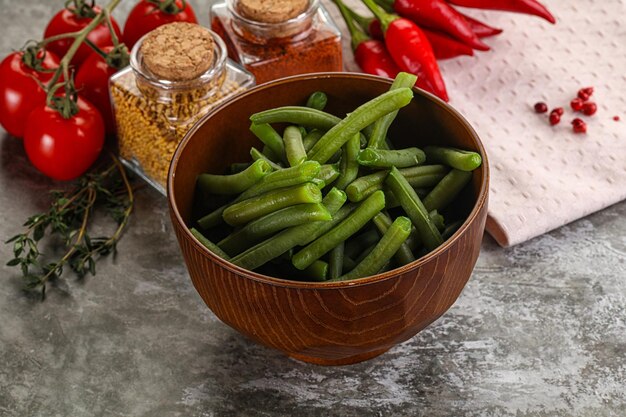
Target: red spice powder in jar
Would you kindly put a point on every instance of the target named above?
(275, 39)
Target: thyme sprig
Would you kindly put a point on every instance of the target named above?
(66, 223)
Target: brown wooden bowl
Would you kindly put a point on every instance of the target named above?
(327, 323)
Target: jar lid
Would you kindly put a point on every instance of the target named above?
(285, 23)
(178, 51)
(271, 11)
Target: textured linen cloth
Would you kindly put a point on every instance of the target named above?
(543, 176)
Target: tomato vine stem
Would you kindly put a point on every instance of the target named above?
(67, 110)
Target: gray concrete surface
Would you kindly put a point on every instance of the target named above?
(540, 330)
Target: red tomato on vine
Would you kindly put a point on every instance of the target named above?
(73, 19)
(64, 148)
(92, 83)
(148, 15)
(20, 92)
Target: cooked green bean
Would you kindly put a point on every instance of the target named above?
(348, 264)
(311, 139)
(358, 244)
(319, 183)
(317, 271)
(269, 153)
(294, 148)
(414, 208)
(365, 186)
(424, 176)
(269, 137)
(317, 100)
(392, 201)
(329, 173)
(437, 219)
(278, 179)
(308, 233)
(381, 126)
(295, 236)
(234, 183)
(212, 219)
(283, 178)
(335, 261)
(255, 207)
(451, 229)
(367, 130)
(381, 158)
(352, 224)
(349, 166)
(362, 140)
(447, 189)
(366, 251)
(238, 167)
(297, 115)
(335, 158)
(208, 244)
(419, 176)
(414, 241)
(285, 256)
(360, 118)
(404, 255)
(389, 244)
(386, 267)
(259, 156)
(455, 158)
(271, 223)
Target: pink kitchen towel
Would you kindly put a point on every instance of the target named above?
(543, 176)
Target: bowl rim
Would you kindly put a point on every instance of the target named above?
(281, 282)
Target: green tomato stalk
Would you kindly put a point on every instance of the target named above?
(66, 103)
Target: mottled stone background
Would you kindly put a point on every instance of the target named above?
(540, 329)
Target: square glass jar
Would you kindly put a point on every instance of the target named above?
(309, 42)
(153, 115)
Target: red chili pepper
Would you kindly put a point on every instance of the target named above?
(410, 49)
(371, 55)
(374, 59)
(375, 30)
(482, 30)
(532, 7)
(446, 47)
(438, 15)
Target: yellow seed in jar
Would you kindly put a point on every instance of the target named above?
(150, 127)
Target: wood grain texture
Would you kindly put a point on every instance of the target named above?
(327, 323)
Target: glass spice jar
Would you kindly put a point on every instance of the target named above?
(278, 38)
(177, 74)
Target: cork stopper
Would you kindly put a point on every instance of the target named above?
(178, 51)
(271, 11)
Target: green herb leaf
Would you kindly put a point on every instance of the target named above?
(14, 262)
(69, 217)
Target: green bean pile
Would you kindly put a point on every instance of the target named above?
(331, 199)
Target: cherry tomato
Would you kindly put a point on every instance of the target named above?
(63, 149)
(19, 91)
(92, 83)
(147, 16)
(66, 21)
